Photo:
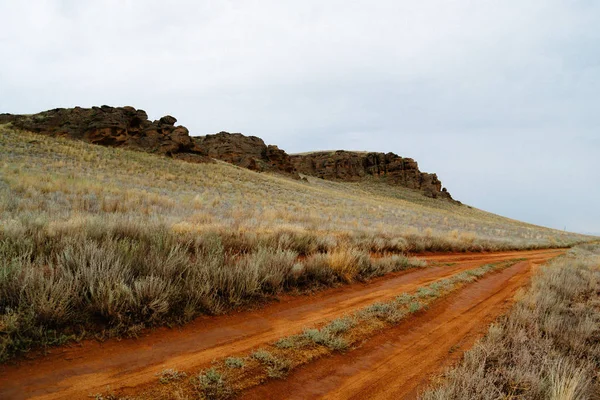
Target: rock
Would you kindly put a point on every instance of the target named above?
(167, 120)
(246, 151)
(130, 128)
(112, 126)
(6, 118)
(352, 166)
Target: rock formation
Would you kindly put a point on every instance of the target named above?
(130, 128)
(354, 166)
(246, 151)
(112, 126)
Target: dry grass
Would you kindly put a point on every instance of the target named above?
(547, 347)
(118, 277)
(65, 182)
(110, 241)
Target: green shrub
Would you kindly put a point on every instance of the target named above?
(212, 385)
(234, 362)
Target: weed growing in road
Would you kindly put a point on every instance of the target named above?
(212, 385)
(340, 325)
(275, 367)
(430, 291)
(404, 298)
(285, 343)
(170, 375)
(278, 368)
(414, 307)
(234, 362)
(262, 356)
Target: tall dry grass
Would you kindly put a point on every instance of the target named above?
(547, 347)
(117, 277)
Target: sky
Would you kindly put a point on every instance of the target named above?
(500, 98)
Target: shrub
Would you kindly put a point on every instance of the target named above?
(285, 343)
(170, 375)
(262, 356)
(325, 338)
(234, 362)
(404, 298)
(348, 263)
(212, 385)
(414, 307)
(340, 325)
(275, 367)
(278, 368)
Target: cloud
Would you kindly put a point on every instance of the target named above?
(498, 97)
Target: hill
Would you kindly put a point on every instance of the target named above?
(105, 239)
(127, 127)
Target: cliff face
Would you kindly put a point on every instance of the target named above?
(246, 151)
(112, 126)
(353, 166)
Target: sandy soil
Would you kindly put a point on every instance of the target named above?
(420, 345)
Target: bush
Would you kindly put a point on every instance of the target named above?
(234, 362)
(212, 385)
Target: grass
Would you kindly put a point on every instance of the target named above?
(119, 278)
(275, 367)
(234, 362)
(212, 385)
(107, 242)
(170, 375)
(547, 347)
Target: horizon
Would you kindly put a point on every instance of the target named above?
(498, 100)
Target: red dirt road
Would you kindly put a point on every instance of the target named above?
(78, 371)
(399, 362)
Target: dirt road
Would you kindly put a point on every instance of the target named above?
(78, 371)
(398, 363)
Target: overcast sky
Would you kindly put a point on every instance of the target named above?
(500, 98)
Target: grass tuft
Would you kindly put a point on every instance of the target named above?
(212, 385)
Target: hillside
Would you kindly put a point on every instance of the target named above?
(61, 179)
(103, 240)
(126, 127)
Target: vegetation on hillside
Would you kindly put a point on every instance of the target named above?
(547, 347)
(109, 241)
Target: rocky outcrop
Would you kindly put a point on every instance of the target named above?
(113, 126)
(246, 151)
(131, 128)
(354, 166)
